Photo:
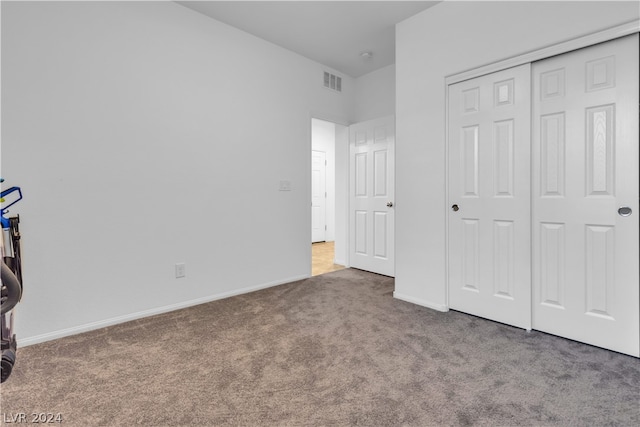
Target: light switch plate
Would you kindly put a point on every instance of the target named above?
(181, 270)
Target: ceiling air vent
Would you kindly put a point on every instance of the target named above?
(333, 82)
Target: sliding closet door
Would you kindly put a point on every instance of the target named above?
(585, 195)
(489, 196)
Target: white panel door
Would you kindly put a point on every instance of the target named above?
(318, 196)
(585, 168)
(371, 211)
(489, 196)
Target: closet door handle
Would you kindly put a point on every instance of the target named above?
(624, 211)
(455, 208)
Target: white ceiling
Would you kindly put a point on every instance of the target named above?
(334, 33)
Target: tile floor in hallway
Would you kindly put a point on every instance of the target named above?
(322, 255)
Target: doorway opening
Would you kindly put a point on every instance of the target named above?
(329, 187)
(323, 258)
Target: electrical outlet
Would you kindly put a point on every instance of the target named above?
(181, 270)
(285, 186)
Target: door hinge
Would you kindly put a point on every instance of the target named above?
(325, 194)
(325, 228)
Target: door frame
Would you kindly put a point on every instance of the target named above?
(338, 212)
(547, 52)
(351, 189)
(622, 30)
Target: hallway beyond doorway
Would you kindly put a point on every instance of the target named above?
(322, 256)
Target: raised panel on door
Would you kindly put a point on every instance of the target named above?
(371, 196)
(360, 246)
(361, 175)
(503, 157)
(585, 167)
(469, 149)
(380, 175)
(552, 152)
(470, 255)
(489, 182)
(552, 264)
(503, 259)
(380, 235)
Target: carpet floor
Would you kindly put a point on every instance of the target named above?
(331, 350)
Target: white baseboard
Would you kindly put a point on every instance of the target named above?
(146, 313)
(421, 302)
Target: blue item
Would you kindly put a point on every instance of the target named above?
(11, 289)
(5, 209)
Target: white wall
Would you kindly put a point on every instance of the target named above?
(145, 134)
(447, 39)
(323, 138)
(376, 94)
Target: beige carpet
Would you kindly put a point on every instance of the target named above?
(332, 350)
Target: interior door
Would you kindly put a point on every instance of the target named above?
(318, 196)
(371, 210)
(489, 196)
(585, 207)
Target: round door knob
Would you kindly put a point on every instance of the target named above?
(624, 211)
(455, 208)
(389, 204)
